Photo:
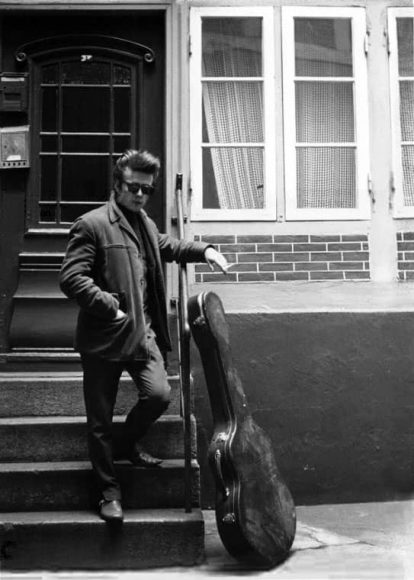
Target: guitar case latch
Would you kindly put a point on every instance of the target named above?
(229, 518)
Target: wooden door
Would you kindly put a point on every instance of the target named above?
(96, 89)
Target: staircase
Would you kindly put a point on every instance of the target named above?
(48, 518)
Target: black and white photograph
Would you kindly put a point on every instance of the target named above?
(206, 289)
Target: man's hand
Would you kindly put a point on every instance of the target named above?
(213, 257)
(120, 314)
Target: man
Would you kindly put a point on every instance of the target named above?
(113, 269)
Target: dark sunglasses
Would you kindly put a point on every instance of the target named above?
(144, 187)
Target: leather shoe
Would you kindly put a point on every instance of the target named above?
(141, 458)
(111, 510)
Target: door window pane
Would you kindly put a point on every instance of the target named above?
(85, 144)
(49, 109)
(323, 47)
(85, 178)
(70, 212)
(86, 72)
(48, 177)
(85, 109)
(122, 110)
(50, 74)
(48, 143)
(122, 75)
(231, 47)
(121, 144)
(48, 213)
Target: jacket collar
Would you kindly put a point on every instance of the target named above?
(114, 213)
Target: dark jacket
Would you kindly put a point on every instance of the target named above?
(101, 271)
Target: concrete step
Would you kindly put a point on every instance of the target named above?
(60, 393)
(53, 357)
(70, 486)
(31, 439)
(81, 541)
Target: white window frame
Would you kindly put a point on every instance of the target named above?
(360, 82)
(400, 210)
(198, 213)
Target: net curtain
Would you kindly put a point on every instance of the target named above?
(233, 114)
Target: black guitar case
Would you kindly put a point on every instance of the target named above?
(255, 512)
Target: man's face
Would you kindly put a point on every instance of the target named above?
(129, 195)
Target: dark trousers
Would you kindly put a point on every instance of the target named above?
(100, 387)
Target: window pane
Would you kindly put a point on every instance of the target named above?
(323, 47)
(407, 110)
(405, 46)
(70, 212)
(233, 178)
(122, 110)
(85, 144)
(408, 174)
(232, 112)
(324, 112)
(122, 143)
(49, 74)
(122, 75)
(49, 143)
(85, 109)
(85, 179)
(232, 47)
(88, 72)
(48, 213)
(49, 109)
(325, 177)
(48, 178)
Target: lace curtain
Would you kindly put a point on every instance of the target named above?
(326, 174)
(406, 69)
(233, 112)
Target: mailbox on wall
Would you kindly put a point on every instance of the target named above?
(13, 92)
(14, 147)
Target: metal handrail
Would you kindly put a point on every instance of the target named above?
(184, 335)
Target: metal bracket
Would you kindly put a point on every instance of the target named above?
(371, 192)
(392, 192)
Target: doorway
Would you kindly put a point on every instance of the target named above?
(97, 87)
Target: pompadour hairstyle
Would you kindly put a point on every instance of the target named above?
(136, 160)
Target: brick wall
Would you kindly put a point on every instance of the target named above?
(405, 247)
(274, 258)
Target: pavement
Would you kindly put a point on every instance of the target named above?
(333, 542)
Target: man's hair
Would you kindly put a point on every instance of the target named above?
(136, 160)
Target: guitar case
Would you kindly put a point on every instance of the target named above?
(255, 512)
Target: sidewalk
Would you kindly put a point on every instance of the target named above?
(333, 542)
